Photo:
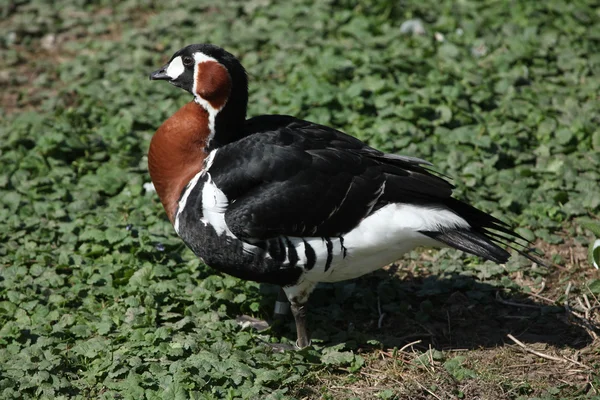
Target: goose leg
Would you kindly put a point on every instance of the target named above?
(299, 311)
(298, 295)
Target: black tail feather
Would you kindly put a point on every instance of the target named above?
(484, 244)
(471, 242)
(483, 237)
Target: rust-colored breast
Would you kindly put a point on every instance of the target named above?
(213, 83)
(176, 153)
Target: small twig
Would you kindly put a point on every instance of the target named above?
(565, 382)
(532, 351)
(427, 390)
(380, 321)
(430, 356)
(592, 293)
(542, 287)
(423, 362)
(577, 362)
(576, 371)
(499, 299)
(567, 291)
(593, 387)
(543, 355)
(354, 390)
(537, 296)
(594, 308)
(370, 375)
(527, 365)
(583, 320)
(381, 315)
(587, 301)
(583, 307)
(571, 253)
(409, 345)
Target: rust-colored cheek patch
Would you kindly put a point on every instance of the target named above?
(213, 83)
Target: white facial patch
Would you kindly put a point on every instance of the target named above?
(175, 68)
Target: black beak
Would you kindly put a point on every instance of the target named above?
(160, 75)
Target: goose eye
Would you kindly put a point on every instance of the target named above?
(188, 61)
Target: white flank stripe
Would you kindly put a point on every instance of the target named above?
(214, 205)
(298, 244)
(175, 68)
(184, 198)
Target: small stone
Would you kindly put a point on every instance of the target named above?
(4, 76)
(11, 38)
(48, 42)
(412, 26)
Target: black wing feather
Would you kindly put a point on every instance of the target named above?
(296, 178)
(293, 189)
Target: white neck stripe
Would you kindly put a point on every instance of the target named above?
(212, 112)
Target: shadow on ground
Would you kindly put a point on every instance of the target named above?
(450, 312)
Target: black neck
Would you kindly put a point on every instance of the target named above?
(229, 122)
(229, 127)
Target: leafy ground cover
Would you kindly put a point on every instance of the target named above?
(99, 299)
